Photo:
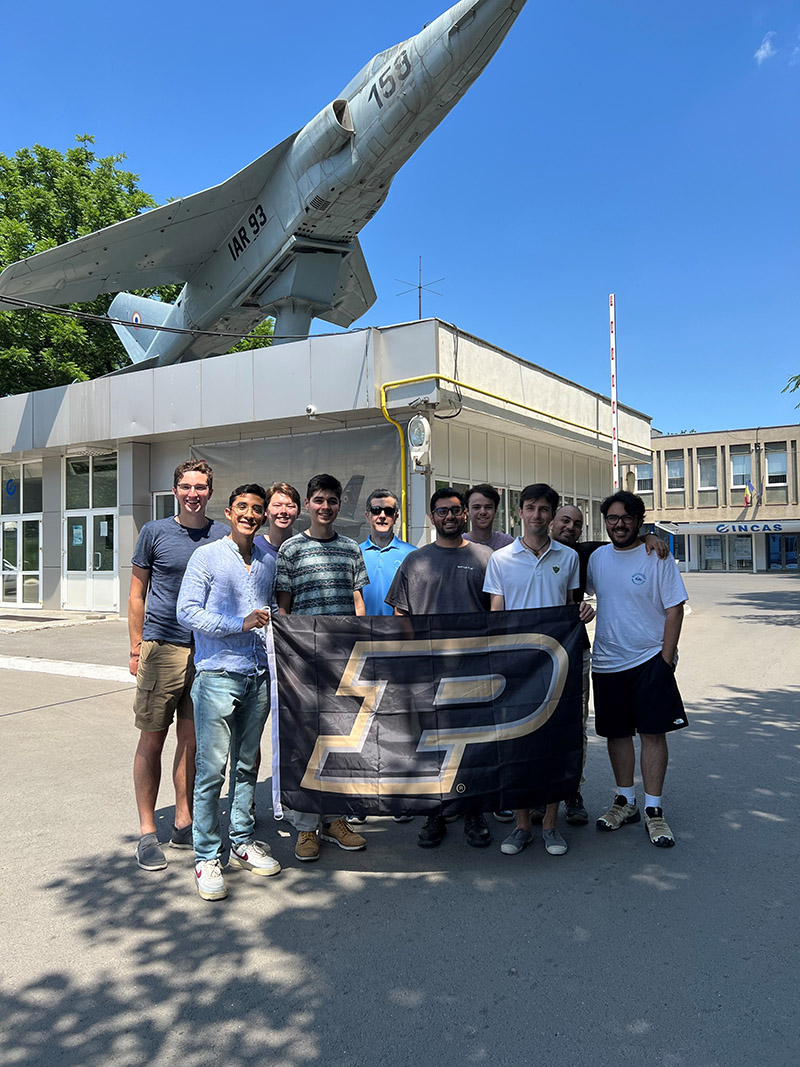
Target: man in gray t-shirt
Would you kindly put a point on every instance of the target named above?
(444, 578)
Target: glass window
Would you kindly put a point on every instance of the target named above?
(164, 506)
(32, 487)
(707, 468)
(776, 462)
(77, 482)
(103, 543)
(740, 465)
(12, 490)
(30, 545)
(104, 481)
(76, 543)
(674, 462)
(644, 477)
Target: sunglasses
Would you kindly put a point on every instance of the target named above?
(389, 512)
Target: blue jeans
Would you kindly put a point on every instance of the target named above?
(226, 705)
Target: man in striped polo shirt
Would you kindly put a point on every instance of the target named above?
(320, 572)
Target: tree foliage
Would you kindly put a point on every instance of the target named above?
(792, 385)
(48, 198)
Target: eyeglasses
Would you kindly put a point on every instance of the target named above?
(241, 508)
(375, 510)
(626, 520)
(442, 513)
(186, 488)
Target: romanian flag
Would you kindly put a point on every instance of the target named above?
(749, 493)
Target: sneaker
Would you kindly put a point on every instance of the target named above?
(181, 838)
(255, 856)
(618, 814)
(516, 842)
(537, 814)
(452, 818)
(657, 828)
(307, 847)
(209, 881)
(477, 832)
(357, 819)
(504, 816)
(432, 832)
(554, 842)
(402, 818)
(339, 833)
(577, 815)
(149, 854)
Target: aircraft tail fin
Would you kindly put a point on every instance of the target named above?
(138, 311)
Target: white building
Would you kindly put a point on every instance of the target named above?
(84, 466)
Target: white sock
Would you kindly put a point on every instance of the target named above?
(652, 802)
(627, 791)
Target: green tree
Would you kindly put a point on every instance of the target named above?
(792, 386)
(46, 199)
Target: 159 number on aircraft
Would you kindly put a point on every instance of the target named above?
(387, 82)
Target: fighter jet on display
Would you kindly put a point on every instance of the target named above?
(280, 237)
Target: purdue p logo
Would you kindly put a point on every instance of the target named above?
(412, 711)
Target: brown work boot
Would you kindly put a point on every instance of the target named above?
(339, 833)
(307, 847)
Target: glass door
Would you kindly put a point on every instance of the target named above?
(21, 554)
(782, 552)
(90, 562)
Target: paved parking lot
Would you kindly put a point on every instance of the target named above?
(615, 955)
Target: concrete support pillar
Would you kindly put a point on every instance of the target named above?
(135, 508)
(52, 533)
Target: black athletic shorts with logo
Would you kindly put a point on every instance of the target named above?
(643, 699)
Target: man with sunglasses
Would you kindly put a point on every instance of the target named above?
(442, 578)
(640, 602)
(383, 551)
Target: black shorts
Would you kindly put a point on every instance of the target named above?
(643, 699)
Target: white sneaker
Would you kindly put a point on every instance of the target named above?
(209, 881)
(255, 856)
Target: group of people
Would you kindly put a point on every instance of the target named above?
(201, 597)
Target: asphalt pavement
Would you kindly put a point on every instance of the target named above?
(615, 955)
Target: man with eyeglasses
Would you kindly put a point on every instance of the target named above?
(225, 598)
(640, 602)
(439, 579)
(566, 528)
(161, 656)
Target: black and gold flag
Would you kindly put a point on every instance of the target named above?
(463, 713)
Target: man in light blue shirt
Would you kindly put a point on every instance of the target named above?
(383, 551)
(224, 599)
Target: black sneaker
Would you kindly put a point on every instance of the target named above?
(577, 815)
(477, 832)
(504, 816)
(432, 832)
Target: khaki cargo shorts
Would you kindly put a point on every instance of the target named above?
(163, 685)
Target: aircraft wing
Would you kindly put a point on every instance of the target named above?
(355, 294)
(159, 247)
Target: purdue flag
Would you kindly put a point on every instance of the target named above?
(391, 715)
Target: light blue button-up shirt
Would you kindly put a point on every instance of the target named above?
(382, 564)
(217, 594)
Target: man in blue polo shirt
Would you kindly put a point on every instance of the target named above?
(383, 551)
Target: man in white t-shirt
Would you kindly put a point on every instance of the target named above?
(640, 602)
(535, 572)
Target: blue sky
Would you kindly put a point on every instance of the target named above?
(639, 147)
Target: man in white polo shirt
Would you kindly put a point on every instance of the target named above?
(535, 572)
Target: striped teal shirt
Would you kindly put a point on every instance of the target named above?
(321, 575)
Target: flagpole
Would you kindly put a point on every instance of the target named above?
(612, 317)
